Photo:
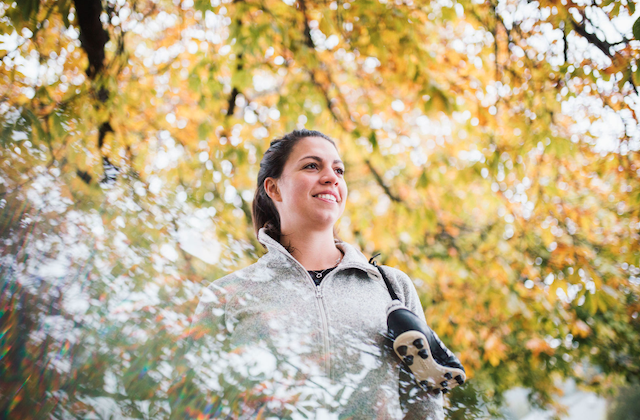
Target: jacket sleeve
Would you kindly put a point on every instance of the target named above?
(416, 403)
(198, 387)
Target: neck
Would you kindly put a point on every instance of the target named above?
(314, 250)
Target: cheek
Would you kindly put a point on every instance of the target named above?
(345, 190)
(302, 186)
(297, 189)
(344, 193)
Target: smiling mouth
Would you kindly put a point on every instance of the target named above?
(327, 197)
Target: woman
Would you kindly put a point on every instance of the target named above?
(302, 331)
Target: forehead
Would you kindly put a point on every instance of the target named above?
(314, 146)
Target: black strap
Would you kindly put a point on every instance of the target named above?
(384, 277)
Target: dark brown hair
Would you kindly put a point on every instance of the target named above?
(264, 212)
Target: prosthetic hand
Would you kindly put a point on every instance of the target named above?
(433, 365)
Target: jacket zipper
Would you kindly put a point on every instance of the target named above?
(323, 313)
(323, 316)
(325, 330)
(325, 320)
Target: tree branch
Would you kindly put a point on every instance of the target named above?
(581, 29)
(231, 103)
(378, 178)
(307, 29)
(565, 46)
(325, 94)
(93, 36)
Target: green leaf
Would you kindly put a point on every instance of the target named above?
(636, 76)
(591, 303)
(616, 10)
(430, 220)
(63, 8)
(423, 181)
(636, 29)
(203, 131)
(326, 24)
(35, 122)
(24, 13)
(194, 82)
(202, 5)
(241, 79)
(57, 127)
(373, 140)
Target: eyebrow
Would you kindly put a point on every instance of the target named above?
(317, 158)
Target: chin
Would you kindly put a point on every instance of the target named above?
(325, 221)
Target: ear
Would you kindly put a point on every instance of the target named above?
(271, 187)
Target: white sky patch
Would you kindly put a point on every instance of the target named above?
(608, 126)
(162, 22)
(250, 117)
(197, 244)
(45, 194)
(332, 42)
(196, 236)
(169, 252)
(76, 301)
(397, 105)
(264, 81)
(370, 64)
(169, 155)
(471, 156)
(10, 42)
(29, 67)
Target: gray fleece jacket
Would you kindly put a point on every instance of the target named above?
(273, 344)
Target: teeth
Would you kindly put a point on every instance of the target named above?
(326, 197)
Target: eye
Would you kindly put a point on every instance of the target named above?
(340, 171)
(311, 166)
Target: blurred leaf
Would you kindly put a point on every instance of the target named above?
(64, 7)
(423, 181)
(373, 140)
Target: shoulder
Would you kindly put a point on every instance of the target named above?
(219, 291)
(238, 276)
(398, 276)
(403, 286)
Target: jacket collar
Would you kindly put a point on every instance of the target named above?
(277, 255)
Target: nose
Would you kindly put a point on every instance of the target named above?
(329, 177)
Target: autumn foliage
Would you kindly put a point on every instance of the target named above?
(491, 152)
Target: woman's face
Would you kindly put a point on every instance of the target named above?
(311, 193)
